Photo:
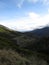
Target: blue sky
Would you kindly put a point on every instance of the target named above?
(24, 15)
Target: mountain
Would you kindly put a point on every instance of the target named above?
(28, 48)
(10, 39)
(7, 37)
(39, 32)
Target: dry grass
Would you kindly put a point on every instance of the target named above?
(10, 57)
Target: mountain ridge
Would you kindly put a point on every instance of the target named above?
(28, 46)
(39, 32)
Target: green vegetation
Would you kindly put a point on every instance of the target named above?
(17, 48)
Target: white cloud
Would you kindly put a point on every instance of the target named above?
(41, 1)
(19, 3)
(33, 15)
(48, 10)
(33, 1)
(39, 20)
(32, 21)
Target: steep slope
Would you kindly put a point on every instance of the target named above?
(7, 37)
(12, 39)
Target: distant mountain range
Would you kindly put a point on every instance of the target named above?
(39, 32)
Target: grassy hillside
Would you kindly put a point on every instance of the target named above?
(7, 37)
(25, 50)
(10, 57)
